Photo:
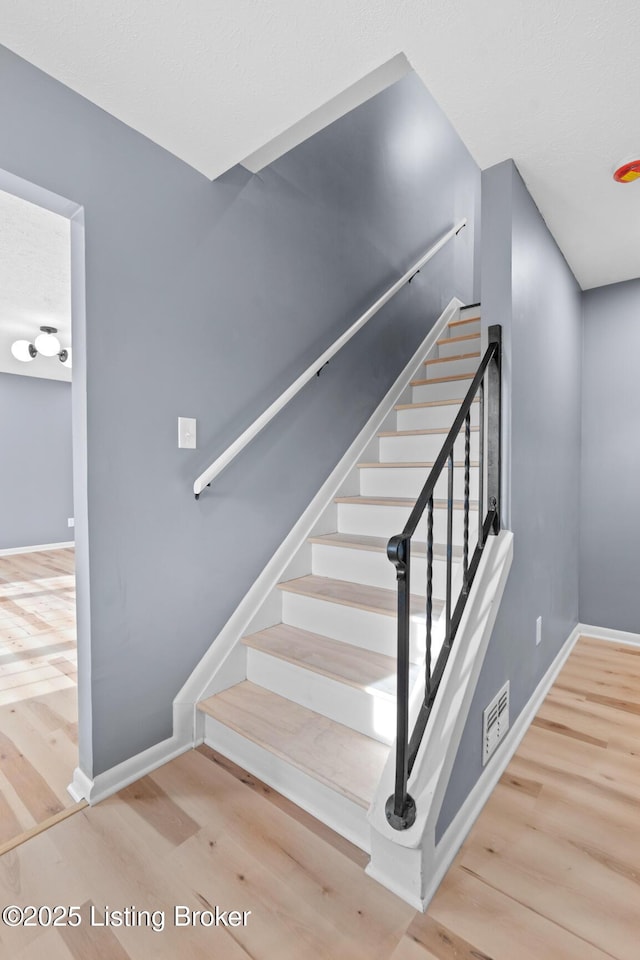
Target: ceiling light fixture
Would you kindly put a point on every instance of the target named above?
(46, 344)
(628, 172)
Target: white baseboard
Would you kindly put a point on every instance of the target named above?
(9, 551)
(612, 636)
(468, 813)
(197, 686)
(400, 890)
(82, 787)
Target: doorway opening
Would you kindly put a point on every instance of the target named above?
(42, 497)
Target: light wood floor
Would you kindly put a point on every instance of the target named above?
(38, 709)
(549, 872)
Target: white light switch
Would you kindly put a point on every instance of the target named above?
(187, 433)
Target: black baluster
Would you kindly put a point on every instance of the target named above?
(481, 469)
(493, 427)
(447, 636)
(427, 688)
(400, 808)
(467, 465)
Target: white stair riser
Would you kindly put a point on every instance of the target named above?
(459, 346)
(450, 368)
(375, 716)
(409, 481)
(424, 447)
(430, 418)
(341, 814)
(385, 521)
(375, 569)
(463, 329)
(447, 390)
(361, 628)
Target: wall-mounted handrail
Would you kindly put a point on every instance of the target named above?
(238, 445)
(400, 807)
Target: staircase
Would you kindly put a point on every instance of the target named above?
(316, 713)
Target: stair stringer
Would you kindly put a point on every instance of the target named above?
(409, 862)
(224, 663)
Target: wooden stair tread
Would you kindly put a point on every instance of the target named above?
(453, 376)
(349, 594)
(432, 403)
(377, 464)
(344, 760)
(364, 669)
(427, 432)
(403, 502)
(458, 356)
(459, 323)
(458, 339)
(357, 541)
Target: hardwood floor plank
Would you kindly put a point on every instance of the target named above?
(150, 801)
(30, 786)
(92, 943)
(10, 826)
(411, 949)
(501, 927)
(553, 726)
(56, 949)
(426, 939)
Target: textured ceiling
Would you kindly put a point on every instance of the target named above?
(552, 83)
(35, 285)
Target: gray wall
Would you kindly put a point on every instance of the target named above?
(207, 300)
(538, 302)
(610, 512)
(36, 485)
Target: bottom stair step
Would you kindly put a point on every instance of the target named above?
(345, 761)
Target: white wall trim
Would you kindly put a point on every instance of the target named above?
(196, 686)
(611, 636)
(9, 551)
(459, 828)
(360, 91)
(82, 787)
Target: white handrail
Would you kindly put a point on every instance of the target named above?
(232, 451)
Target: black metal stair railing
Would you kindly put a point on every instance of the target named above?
(400, 807)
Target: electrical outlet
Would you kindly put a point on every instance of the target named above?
(186, 433)
(538, 631)
(71, 522)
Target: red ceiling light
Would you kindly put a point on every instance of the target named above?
(628, 172)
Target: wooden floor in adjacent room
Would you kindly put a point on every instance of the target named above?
(38, 702)
(549, 872)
